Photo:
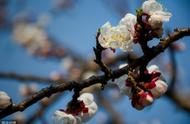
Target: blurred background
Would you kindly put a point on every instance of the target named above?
(51, 40)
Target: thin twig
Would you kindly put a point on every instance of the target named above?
(20, 77)
(98, 60)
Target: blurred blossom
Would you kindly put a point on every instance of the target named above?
(75, 73)
(45, 101)
(114, 94)
(155, 121)
(27, 89)
(179, 46)
(19, 117)
(62, 4)
(55, 75)
(33, 37)
(67, 62)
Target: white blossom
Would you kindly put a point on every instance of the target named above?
(152, 7)
(159, 89)
(157, 15)
(159, 86)
(120, 36)
(89, 102)
(26, 90)
(5, 100)
(61, 117)
(129, 20)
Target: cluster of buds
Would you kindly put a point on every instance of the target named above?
(150, 20)
(131, 29)
(5, 100)
(143, 88)
(78, 111)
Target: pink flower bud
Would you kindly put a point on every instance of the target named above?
(160, 87)
(141, 100)
(145, 98)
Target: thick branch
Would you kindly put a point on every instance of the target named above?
(46, 92)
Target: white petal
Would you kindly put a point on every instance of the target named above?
(165, 16)
(155, 21)
(159, 89)
(5, 100)
(122, 65)
(151, 6)
(92, 109)
(87, 98)
(153, 68)
(61, 117)
(129, 20)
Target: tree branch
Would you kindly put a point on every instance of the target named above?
(47, 92)
(98, 60)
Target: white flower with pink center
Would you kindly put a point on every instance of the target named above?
(89, 103)
(120, 36)
(61, 117)
(152, 7)
(145, 98)
(157, 86)
(88, 109)
(157, 15)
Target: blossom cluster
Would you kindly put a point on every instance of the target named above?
(143, 89)
(31, 36)
(82, 113)
(126, 33)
